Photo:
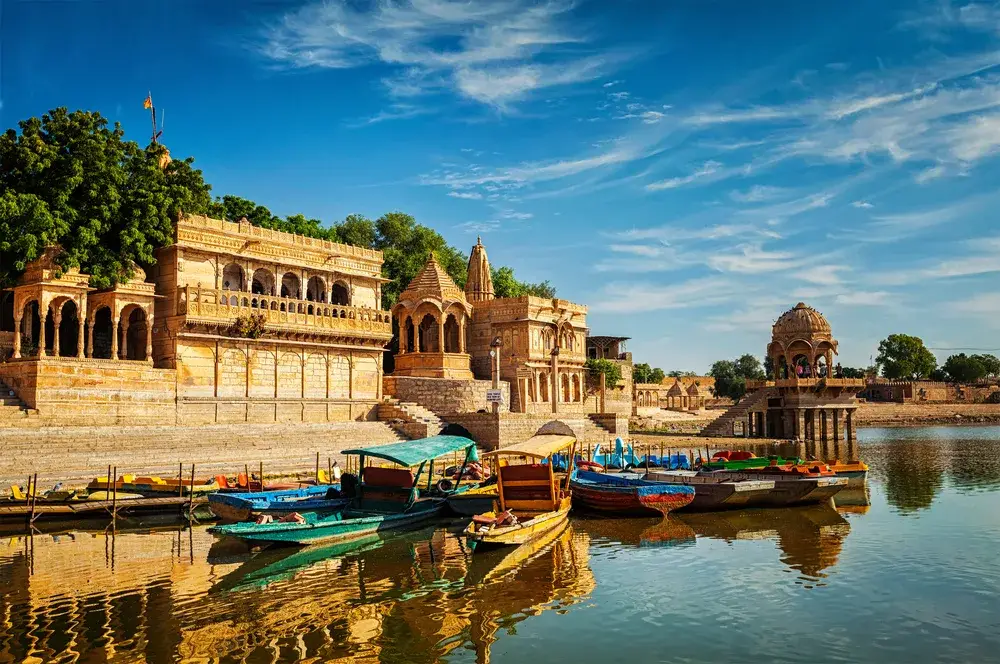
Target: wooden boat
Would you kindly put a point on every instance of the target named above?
(790, 487)
(532, 498)
(724, 463)
(255, 486)
(240, 506)
(713, 492)
(623, 496)
(381, 499)
(476, 500)
(621, 458)
(856, 472)
(154, 486)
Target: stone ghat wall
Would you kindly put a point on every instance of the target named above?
(916, 414)
(495, 431)
(444, 396)
(266, 411)
(87, 391)
(78, 454)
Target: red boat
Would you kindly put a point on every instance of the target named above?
(612, 494)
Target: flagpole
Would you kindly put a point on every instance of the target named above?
(153, 114)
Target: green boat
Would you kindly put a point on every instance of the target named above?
(755, 462)
(382, 499)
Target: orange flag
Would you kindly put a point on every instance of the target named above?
(148, 103)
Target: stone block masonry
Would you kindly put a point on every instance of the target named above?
(78, 454)
(496, 431)
(444, 396)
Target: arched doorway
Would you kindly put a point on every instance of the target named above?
(102, 334)
(543, 386)
(134, 334)
(429, 335)
(31, 329)
(802, 368)
(316, 290)
(232, 277)
(408, 335)
(565, 388)
(69, 330)
(6, 312)
(451, 335)
(340, 295)
(290, 285)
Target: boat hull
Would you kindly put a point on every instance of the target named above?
(713, 494)
(241, 506)
(340, 527)
(794, 490)
(520, 533)
(471, 504)
(608, 494)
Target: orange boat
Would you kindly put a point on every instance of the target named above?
(856, 472)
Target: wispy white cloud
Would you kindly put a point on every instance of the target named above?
(706, 171)
(468, 195)
(757, 194)
(611, 84)
(863, 298)
(496, 53)
(864, 205)
(626, 297)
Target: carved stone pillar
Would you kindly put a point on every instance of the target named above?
(416, 338)
(80, 339)
(56, 322)
(440, 322)
(555, 380)
(849, 426)
(115, 331)
(89, 351)
(836, 424)
(149, 339)
(461, 335)
(17, 338)
(41, 331)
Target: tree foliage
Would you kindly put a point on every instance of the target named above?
(595, 367)
(905, 356)
(962, 368)
(851, 372)
(643, 373)
(69, 179)
(731, 376)
(680, 374)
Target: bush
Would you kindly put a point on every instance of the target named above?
(249, 327)
(611, 370)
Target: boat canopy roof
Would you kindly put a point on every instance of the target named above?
(540, 446)
(413, 452)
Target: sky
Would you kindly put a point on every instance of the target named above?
(689, 170)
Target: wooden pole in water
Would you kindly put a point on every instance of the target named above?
(261, 471)
(246, 473)
(180, 480)
(32, 497)
(329, 470)
(317, 470)
(191, 494)
(114, 497)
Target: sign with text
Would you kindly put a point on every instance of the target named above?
(494, 396)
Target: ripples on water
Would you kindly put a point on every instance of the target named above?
(865, 582)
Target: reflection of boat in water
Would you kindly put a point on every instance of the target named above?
(810, 537)
(493, 564)
(670, 531)
(855, 500)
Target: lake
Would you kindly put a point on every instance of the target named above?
(907, 573)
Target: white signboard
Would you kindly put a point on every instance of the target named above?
(494, 396)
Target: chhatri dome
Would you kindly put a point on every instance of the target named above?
(479, 282)
(802, 343)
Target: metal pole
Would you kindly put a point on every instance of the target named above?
(180, 480)
(32, 494)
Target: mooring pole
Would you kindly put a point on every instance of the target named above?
(246, 473)
(114, 497)
(317, 469)
(261, 471)
(191, 494)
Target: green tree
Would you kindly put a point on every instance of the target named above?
(612, 372)
(850, 372)
(656, 375)
(405, 246)
(964, 369)
(991, 363)
(940, 375)
(357, 230)
(641, 373)
(505, 284)
(749, 367)
(731, 376)
(904, 356)
(680, 374)
(68, 179)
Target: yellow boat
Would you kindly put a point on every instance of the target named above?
(533, 499)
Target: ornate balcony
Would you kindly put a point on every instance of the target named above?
(807, 383)
(283, 314)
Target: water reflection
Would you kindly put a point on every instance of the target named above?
(181, 594)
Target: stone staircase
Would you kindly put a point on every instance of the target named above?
(410, 419)
(722, 426)
(12, 409)
(593, 429)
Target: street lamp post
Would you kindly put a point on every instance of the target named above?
(495, 357)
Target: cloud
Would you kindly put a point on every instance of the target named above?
(610, 84)
(824, 275)
(755, 114)
(853, 106)
(495, 53)
(757, 194)
(708, 169)
(394, 112)
(754, 259)
(863, 298)
(468, 195)
(480, 226)
(864, 205)
(632, 297)
(977, 138)
(984, 305)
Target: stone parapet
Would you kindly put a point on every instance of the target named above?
(444, 396)
(501, 430)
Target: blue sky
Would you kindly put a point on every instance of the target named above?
(689, 170)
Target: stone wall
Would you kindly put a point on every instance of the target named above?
(494, 431)
(76, 391)
(926, 391)
(81, 453)
(444, 396)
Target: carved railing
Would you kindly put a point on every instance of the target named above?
(806, 382)
(226, 305)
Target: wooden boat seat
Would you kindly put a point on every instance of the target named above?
(740, 456)
(525, 484)
(222, 481)
(401, 478)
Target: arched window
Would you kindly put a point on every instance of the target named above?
(69, 330)
(134, 334)
(290, 285)
(263, 282)
(6, 311)
(103, 329)
(429, 342)
(340, 294)
(316, 289)
(232, 277)
(408, 335)
(565, 388)
(543, 386)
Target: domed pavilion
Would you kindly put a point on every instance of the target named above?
(804, 397)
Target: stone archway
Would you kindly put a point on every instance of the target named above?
(451, 342)
(316, 289)
(232, 277)
(340, 294)
(69, 330)
(102, 335)
(134, 334)
(290, 285)
(263, 282)
(429, 342)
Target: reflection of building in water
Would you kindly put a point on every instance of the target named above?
(152, 598)
(810, 538)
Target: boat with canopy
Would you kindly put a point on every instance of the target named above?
(381, 498)
(533, 497)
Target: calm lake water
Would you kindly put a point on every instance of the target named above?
(911, 577)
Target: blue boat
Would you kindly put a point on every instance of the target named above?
(322, 499)
(623, 456)
(382, 499)
(622, 496)
(676, 461)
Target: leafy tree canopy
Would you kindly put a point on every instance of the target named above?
(68, 179)
(904, 356)
(612, 372)
(680, 374)
(643, 373)
(731, 376)
(991, 363)
(964, 369)
(851, 372)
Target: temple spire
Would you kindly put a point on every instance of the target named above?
(479, 283)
